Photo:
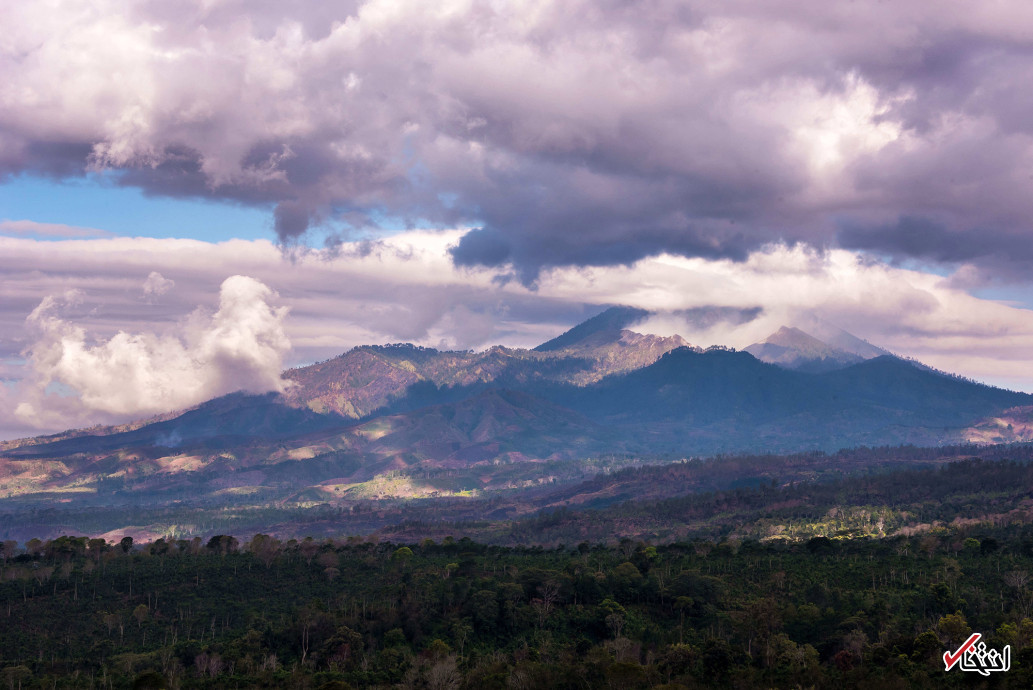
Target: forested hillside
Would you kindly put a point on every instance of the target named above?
(458, 614)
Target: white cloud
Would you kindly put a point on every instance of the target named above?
(157, 284)
(125, 357)
(239, 347)
(31, 228)
(909, 312)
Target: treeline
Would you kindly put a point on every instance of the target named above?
(226, 613)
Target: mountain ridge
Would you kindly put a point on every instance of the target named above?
(402, 421)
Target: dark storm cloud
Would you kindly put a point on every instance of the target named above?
(916, 236)
(291, 220)
(482, 247)
(584, 133)
(56, 159)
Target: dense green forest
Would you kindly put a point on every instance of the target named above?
(848, 608)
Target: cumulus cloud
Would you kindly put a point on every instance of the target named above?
(157, 284)
(75, 378)
(574, 133)
(397, 289)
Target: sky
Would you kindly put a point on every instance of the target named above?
(195, 195)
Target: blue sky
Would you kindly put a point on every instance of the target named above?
(93, 202)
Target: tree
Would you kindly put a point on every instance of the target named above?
(140, 614)
(265, 548)
(96, 547)
(222, 544)
(8, 549)
(614, 616)
(34, 547)
(626, 581)
(548, 593)
(953, 630)
(14, 675)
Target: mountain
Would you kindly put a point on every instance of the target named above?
(224, 422)
(823, 347)
(726, 401)
(660, 394)
(385, 378)
(606, 324)
(793, 349)
(486, 435)
(395, 422)
(839, 339)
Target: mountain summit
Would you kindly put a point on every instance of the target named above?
(603, 326)
(840, 339)
(793, 348)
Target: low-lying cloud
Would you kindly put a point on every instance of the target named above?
(72, 376)
(99, 350)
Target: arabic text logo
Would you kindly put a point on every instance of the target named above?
(973, 655)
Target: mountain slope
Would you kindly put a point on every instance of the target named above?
(487, 429)
(226, 421)
(841, 340)
(723, 401)
(490, 425)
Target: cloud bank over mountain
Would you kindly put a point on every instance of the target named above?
(101, 329)
(581, 133)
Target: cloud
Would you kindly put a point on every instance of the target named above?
(405, 288)
(239, 347)
(704, 323)
(157, 284)
(30, 228)
(583, 133)
(908, 312)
